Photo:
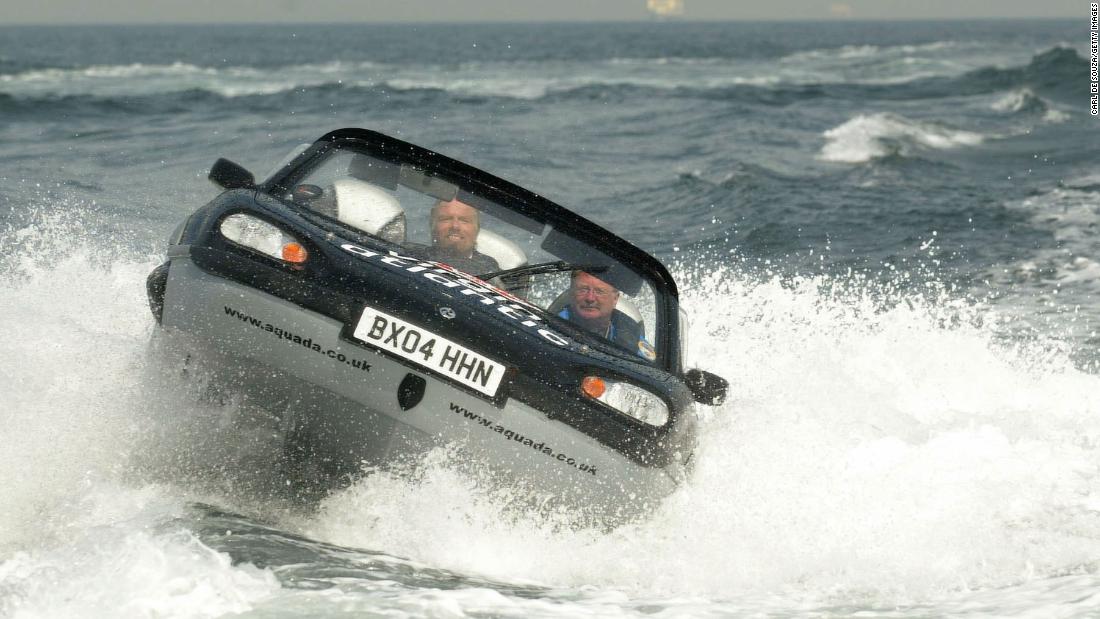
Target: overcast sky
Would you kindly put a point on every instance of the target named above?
(168, 11)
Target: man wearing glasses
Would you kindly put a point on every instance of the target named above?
(592, 304)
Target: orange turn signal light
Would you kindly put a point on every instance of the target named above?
(295, 253)
(593, 386)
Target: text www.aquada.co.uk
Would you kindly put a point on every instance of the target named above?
(294, 338)
(511, 435)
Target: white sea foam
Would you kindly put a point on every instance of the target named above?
(1072, 262)
(150, 79)
(1054, 116)
(870, 136)
(516, 80)
(1085, 180)
(867, 453)
(536, 79)
(522, 80)
(670, 60)
(848, 52)
(113, 561)
(1017, 100)
(81, 535)
(878, 448)
(70, 347)
(1024, 99)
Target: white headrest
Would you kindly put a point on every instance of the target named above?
(626, 306)
(369, 208)
(507, 254)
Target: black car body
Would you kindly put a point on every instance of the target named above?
(324, 289)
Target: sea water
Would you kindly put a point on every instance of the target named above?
(884, 233)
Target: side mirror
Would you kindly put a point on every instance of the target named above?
(230, 175)
(709, 389)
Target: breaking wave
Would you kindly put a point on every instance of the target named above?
(873, 136)
(139, 79)
(1069, 214)
(880, 446)
(1022, 100)
(1053, 73)
(847, 52)
(850, 72)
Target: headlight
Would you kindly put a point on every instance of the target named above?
(264, 237)
(628, 399)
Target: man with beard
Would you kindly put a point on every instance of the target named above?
(454, 227)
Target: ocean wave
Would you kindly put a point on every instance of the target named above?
(1070, 215)
(138, 79)
(1055, 72)
(851, 72)
(917, 493)
(146, 81)
(669, 60)
(1085, 182)
(847, 52)
(1055, 116)
(1021, 100)
(872, 136)
(1025, 101)
(533, 88)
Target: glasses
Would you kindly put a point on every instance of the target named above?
(599, 293)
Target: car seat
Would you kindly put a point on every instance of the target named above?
(370, 209)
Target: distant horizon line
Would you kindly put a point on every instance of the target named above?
(829, 20)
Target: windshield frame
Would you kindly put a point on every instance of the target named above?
(508, 196)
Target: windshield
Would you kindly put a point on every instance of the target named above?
(436, 215)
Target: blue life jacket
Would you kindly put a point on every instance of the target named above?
(624, 331)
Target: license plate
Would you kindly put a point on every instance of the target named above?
(429, 350)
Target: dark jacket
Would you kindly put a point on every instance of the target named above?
(624, 331)
(476, 264)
